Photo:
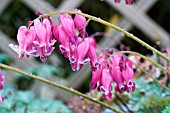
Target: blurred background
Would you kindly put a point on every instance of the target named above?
(146, 19)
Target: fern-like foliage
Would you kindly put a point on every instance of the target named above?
(167, 109)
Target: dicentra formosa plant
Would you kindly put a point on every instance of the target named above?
(39, 37)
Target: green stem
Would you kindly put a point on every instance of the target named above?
(142, 56)
(148, 74)
(116, 28)
(59, 86)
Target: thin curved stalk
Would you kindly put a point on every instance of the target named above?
(155, 80)
(59, 86)
(116, 28)
(144, 57)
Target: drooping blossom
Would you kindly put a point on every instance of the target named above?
(2, 79)
(77, 47)
(25, 38)
(128, 2)
(68, 26)
(116, 68)
(43, 42)
(35, 40)
(80, 21)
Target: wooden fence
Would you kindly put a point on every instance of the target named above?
(134, 16)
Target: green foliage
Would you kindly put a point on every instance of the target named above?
(4, 58)
(44, 71)
(167, 109)
(25, 102)
(148, 97)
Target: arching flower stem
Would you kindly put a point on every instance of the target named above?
(114, 27)
(142, 56)
(155, 80)
(59, 86)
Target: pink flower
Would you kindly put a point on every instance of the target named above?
(82, 50)
(115, 60)
(116, 68)
(2, 79)
(117, 1)
(106, 84)
(64, 41)
(68, 25)
(96, 74)
(25, 38)
(128, 2)
(128, 74)
(1, 98)
(117, 78)
(92, 56)
(56, 32)
(80, 21)
(44, 41)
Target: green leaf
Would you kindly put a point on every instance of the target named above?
(167, 109)
(24, 96)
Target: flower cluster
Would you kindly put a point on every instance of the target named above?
(128, 2)
(113, 68)
(36, 40)
(77, 47)
(75, 44)
(2, 79)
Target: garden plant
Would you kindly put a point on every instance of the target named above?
(110, 66)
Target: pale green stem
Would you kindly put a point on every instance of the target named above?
(59, 86)
(142, 56)
(148, 74)
(116, 28)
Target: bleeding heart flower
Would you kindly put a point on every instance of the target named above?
(117, 1)
(2, 79)
(82, 50)
(44, 42)
(80, 21)
(68, 25)
(96, 74)
(128, 74)
(106, 84)
(64, 40)
(117, 78)
(25, 38)
(128, 2)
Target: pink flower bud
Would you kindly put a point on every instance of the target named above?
(68, 24)
(79, 21)
(56, 32)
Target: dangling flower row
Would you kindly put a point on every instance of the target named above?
(79, 48)
(2, 79)
(75, 44)
(116, 69)
(128, 2)
(36, 40)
